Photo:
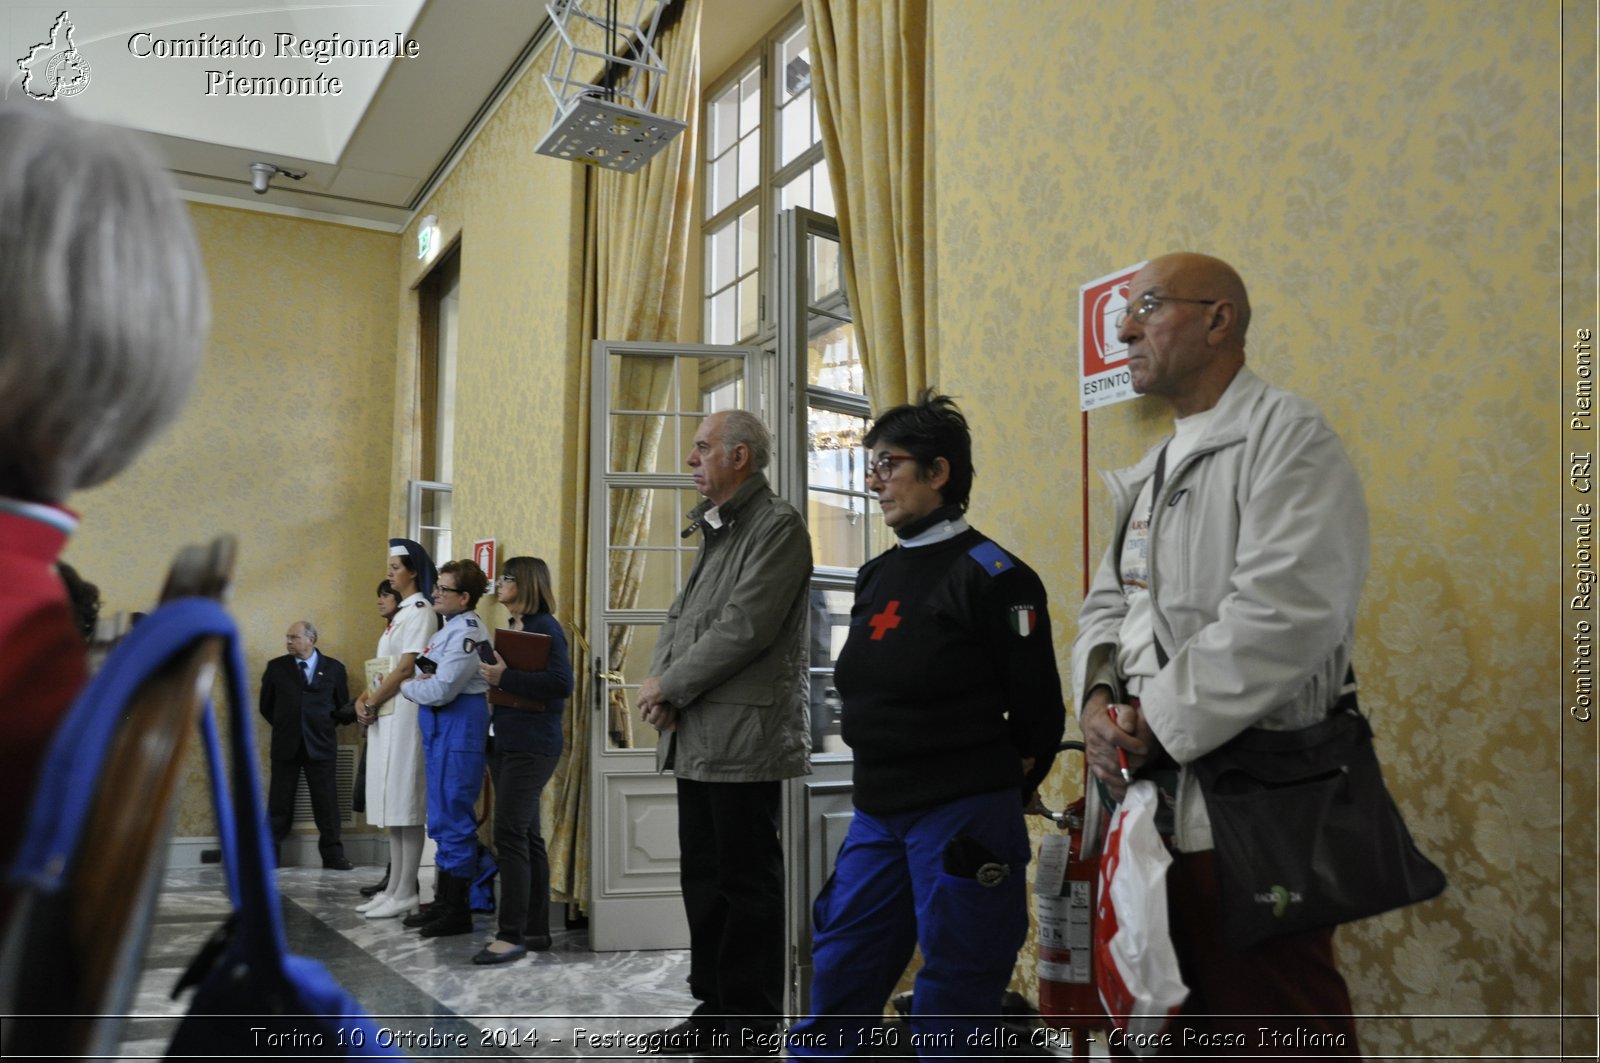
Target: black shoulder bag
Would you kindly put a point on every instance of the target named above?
(1305, 831)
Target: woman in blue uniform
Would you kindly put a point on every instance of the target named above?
(953, 710)
(454, 718)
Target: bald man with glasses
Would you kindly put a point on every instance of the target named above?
(1227, 601)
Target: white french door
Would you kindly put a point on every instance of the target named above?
(648, 402)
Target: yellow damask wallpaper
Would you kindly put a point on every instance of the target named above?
(1384, 173)
(516, 217)
(284, 444)
(1385, 176)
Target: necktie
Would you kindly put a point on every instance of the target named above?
(305, 670)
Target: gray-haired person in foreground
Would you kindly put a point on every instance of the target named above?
(103, 313)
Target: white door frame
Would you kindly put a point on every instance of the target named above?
(635, 901)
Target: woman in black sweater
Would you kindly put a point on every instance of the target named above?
(953, 710)
(525, 746)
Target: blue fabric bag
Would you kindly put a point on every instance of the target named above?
(251, 991)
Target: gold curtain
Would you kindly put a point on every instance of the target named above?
(636, 243)
(873, 87)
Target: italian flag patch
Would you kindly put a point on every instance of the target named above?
(1023, 620)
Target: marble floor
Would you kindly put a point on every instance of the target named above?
(425, 994)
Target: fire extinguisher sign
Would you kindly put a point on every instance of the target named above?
(1103, 376)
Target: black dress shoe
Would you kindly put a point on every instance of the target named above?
(424, 915)
(337, 864)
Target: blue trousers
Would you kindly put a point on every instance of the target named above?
(890, 891)
(453, 738)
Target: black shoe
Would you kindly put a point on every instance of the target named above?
(373, 891)
(424, 915)
(689, 1037)
(338, 863)
(487, 956)
(454, 916)
(538, 942)
(449, 924)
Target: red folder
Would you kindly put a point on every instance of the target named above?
(524, 651)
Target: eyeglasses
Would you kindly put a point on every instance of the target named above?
(1148, 303)
(440, 588)
(883, 468)
(505, 579)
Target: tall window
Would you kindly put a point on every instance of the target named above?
(428, 505)
(773, 279)
(763, 155)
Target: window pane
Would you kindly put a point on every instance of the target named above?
(822, 189)
(435, 509)
(628, 649)
(750, 162)
(640, 383)
(836, 521)
(797, 193)
(749, 307)
(724, 121)
(822, 267)
(707, 382)
(833, 360)
(794, 60)
(795, 132)
(750, 102)
(723, 317)
(749, 237)
(641, 520)
(723, 262)
(830, 624)
(724, 181)
(836, 500)
(640, 443)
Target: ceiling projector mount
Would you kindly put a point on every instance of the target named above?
(606, 122)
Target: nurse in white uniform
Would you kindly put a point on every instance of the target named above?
(395, 791)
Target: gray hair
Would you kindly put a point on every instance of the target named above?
(742, 426)
(103, 302)
(310, 630)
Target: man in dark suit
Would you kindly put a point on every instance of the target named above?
(304, 696)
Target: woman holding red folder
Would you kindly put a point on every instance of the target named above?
(524, 748)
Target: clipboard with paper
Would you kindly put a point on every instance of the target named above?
(524, 651)
(376, 669)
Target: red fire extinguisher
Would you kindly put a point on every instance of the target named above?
(1064, 891)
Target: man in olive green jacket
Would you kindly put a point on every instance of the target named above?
(728, 689)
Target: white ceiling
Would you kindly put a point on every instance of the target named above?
(369, 153)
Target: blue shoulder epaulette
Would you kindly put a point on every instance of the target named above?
(991, 557)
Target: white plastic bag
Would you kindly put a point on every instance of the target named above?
(1135, 965)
